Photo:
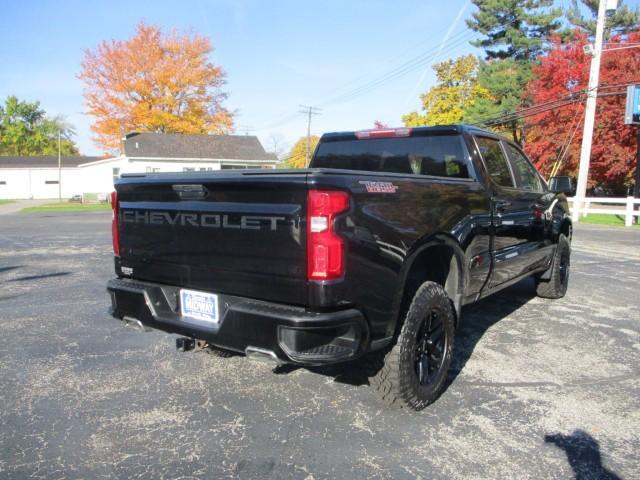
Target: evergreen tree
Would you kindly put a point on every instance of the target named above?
(514, 29)
(505, 80)
(622, 21)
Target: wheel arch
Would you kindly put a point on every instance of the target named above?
(438, 258)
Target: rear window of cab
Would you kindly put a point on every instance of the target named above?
(436, 155)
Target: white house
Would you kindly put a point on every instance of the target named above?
(37, 177)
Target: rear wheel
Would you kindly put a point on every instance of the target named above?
(556, 286)
(413, 373)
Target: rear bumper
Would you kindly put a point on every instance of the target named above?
(293, 334)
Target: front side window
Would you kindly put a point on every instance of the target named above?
(438, 155)
(524, 173)
(494, 159)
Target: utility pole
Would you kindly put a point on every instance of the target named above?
(636, 187)
(59, 167)
(309, 111)
(590, 113)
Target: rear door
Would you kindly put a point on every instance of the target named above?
(238, 233)
(515, 215)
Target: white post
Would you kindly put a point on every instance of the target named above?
(590, 112)
(587, 205)
(59, 169)
(628, 218)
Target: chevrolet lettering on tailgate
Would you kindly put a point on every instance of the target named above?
(206, 220)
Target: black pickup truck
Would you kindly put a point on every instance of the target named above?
(373, 250)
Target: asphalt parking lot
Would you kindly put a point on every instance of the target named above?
(539, 388)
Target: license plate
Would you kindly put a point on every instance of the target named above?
(199, 306)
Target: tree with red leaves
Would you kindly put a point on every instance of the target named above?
(563, 73)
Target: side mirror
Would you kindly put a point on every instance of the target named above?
(562, 185)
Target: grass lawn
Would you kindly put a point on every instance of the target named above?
(68, 207)
(604, 219)
(4, 202)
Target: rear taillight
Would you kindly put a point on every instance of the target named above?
(325, 249)
(115, 234)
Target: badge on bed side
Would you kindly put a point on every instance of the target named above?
(379, 187)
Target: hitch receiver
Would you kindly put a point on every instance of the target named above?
(184, 344)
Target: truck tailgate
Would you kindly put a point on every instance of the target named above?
(239, 233)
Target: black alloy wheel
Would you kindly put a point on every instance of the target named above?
(431, 344)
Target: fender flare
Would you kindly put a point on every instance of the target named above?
(436, 240)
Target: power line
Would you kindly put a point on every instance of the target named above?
(539, 109)
(407, 67)
(412, 64)
(561, 102)
(562, 153)
(398, 72)
(245, 128)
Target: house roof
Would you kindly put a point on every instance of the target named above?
(175, 145)
(48, 161)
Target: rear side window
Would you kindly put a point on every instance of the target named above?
(494, 159)
(438, 155)
(524, 173)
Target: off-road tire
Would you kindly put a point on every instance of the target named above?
(556, 286)
(396, 370)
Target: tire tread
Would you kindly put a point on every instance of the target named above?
(393, 385)
(553, 288)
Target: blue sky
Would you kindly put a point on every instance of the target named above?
(277, 55)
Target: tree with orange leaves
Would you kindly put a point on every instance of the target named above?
(154, 82)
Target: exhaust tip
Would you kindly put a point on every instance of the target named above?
(135, 324)
(262, 355)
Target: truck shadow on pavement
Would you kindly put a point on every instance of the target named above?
(478, 317)
(9, 268)
(476, 320)
(583, 455)
(40, 276)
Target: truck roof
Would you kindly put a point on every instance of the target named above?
(403, 132)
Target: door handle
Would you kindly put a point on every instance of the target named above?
(501, 205)
(190, 192)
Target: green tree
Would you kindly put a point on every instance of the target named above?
(505, 80)
(25, 129)
(298, 155)
(517, 29)
(456, 89)
(622, 21)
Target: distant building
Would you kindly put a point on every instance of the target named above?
(37, 177)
